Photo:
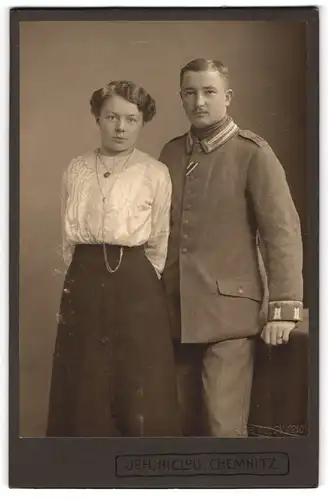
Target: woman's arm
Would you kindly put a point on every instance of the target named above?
(67, 248)
(156, 247)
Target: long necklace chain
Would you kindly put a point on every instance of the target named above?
(109, 269)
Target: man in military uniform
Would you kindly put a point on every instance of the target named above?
(229, 193)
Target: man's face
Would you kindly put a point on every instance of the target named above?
(205, 97)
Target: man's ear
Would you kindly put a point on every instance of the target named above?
(228, 97)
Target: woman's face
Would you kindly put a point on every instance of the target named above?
(120, 122)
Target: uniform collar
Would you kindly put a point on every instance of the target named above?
(219, 137)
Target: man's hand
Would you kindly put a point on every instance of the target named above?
(277, 332)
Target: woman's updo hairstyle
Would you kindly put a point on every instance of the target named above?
(131, 92)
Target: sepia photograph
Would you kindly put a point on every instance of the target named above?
(164, 222)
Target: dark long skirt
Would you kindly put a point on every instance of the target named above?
(113, 368)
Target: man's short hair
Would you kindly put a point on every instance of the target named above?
(206, 65)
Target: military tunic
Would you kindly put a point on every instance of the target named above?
(229, 191)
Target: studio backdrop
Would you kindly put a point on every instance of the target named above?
(61, 64)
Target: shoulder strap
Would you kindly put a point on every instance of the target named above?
(248, 134)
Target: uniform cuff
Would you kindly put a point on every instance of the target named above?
(285, 310)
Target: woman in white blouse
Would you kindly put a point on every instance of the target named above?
(113, 369)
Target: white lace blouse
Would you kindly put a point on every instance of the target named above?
(136, 209)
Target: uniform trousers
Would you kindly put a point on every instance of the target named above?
(214, 386)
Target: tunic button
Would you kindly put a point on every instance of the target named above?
(240, 290)
(184, 250)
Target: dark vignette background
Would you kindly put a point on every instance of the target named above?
(61, 63)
